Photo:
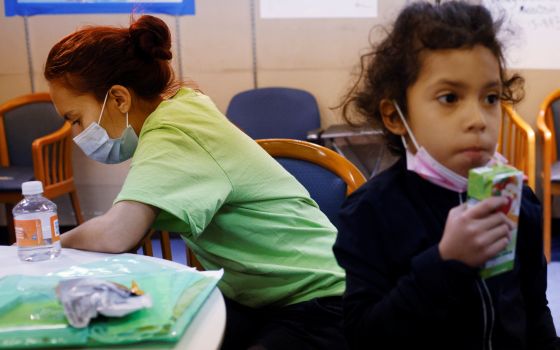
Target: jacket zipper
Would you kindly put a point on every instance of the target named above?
(487, 313)
(492, 315)
(487, 307)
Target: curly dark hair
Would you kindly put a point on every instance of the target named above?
(394, 64)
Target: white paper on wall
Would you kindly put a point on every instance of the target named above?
(318, 8)
(531, 32)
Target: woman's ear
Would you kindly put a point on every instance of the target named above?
(122, 97)
(391, 118)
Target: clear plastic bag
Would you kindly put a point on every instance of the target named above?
(32, 316)
(85, 298)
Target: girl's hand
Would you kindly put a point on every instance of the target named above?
(474, 235)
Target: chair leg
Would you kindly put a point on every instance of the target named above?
(165, 245)
(147, 244)
(76, 206)
(192, 261)
(547, 227)
(10, 223)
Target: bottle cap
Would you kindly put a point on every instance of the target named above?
(31, 187)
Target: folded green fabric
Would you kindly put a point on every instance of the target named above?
(31, 316)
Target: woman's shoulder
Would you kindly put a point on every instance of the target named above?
(188, 111)
(186, 99)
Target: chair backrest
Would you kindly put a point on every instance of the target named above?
(33, 134)
(555, 113)
(548, 124)
(327, 176)
(275, 112)
(23, 120)
(517, 143)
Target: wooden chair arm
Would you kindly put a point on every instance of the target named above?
(316, 154)
(521, 127)
(25, 99)
(549, 156)
(546, 141)
(58, 135)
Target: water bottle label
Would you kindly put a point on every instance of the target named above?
(29, 233)
(33, 232)
(54, 228)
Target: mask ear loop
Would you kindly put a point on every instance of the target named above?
(408, 130)
(103, 108)
(499, 159)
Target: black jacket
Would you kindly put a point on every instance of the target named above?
(400, 294)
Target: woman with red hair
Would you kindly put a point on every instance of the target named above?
(194, 172)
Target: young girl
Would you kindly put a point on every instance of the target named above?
(410, 246)
(195, 173)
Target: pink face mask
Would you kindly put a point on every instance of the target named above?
(423, 164)
(430, 169)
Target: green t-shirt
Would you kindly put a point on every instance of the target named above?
(234, 205)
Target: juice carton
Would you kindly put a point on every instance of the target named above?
(498, 180)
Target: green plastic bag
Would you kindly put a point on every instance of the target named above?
(31, 315)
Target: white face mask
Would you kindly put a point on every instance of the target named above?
(430, 169)
(97, 145)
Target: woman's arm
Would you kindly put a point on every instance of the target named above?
(117, 231)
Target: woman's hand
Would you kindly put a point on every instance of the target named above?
(474, 235)
(117, 231)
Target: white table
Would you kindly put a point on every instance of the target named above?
(205, 331)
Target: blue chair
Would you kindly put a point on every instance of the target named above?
(35, 144)
(275, 112)
(327, 176)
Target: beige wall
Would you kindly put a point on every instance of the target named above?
(318, 55)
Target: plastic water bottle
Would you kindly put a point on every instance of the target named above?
(36, 224)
